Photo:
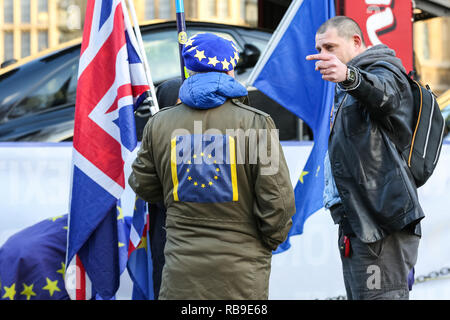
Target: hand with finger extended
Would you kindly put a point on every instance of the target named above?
(331, 68)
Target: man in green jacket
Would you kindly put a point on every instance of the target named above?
(219, 168)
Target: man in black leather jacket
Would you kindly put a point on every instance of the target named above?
(369, 189)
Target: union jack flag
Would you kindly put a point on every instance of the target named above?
(111, 84)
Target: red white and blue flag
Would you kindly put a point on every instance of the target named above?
(111, 85)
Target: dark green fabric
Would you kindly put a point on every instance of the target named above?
(216, 250)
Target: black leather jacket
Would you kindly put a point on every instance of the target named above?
(374, 182)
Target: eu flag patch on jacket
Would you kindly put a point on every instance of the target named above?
(204, 168)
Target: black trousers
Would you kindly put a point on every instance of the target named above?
(157, 233)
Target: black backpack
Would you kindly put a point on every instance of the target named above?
(428, 133)
(423, 152)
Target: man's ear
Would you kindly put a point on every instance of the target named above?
(230, 73)
(357, 41)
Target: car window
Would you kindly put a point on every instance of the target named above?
(258, 42)
(162, 52)
(59, 89)
(161, 47)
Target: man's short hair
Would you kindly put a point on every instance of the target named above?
(345, 26)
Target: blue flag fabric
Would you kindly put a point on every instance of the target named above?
(290, 80)
(123, 236)
(32, 260)
(140, 263)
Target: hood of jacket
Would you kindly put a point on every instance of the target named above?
(210, 90)
(374, 54)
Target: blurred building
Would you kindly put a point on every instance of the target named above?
(30, 26)
(432, 52)
(238, 12)
(26, 27)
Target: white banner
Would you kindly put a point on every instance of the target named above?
(35, 185)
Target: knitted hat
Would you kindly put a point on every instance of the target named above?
(208, 52)
(167, 92)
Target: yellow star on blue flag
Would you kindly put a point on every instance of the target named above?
(51, 286)
(10, 292)
(28, 291)
(304, 173)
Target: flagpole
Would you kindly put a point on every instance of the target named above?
(153, 102)
(182, 35)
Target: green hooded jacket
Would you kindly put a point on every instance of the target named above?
(220, 237)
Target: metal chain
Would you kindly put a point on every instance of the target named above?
(337, 298)
(435, 275)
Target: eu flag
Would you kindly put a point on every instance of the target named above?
(32, 260)
(283, 74)
(204, 168)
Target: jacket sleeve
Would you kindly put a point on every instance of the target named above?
(378, 89)
(275, 204)
(144, 179)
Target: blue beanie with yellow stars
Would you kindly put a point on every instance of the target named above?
(206, 52)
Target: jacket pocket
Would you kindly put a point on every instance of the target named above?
(376, 248)
(389, 201)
